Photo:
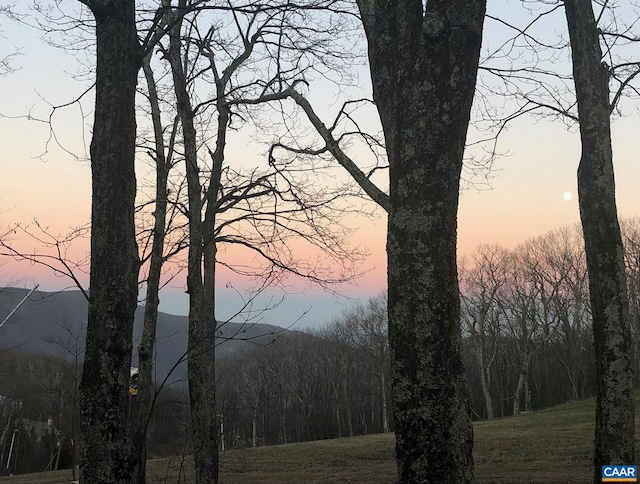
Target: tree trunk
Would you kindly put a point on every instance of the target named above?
(614, 433)
(484, 379)
(347, 402)
(254, 429)
(337, 411)
(146, 348)
(363, 418)
(200, 286)
(522, 378)
(423, 68)
(201, 356)
(383, 396)
(284, 420)
(106, 446)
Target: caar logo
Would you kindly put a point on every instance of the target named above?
(619, 474)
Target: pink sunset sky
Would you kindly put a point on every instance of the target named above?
(526, 198)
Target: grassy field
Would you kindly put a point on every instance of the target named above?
(549, 446)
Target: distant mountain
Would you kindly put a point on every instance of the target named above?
(52, 322)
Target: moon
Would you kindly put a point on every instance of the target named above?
(567, 196)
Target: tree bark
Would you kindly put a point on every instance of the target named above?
(146, 348)
(423, 64)
(485, 374)
(106, 448)
(254, 428)
(383, 396)
(615, 413)
(522, 379)
(200, 282)
(200, 286)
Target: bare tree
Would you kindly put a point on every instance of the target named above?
(115, 261)
(564, 253)
(162, 156)
(534, 317)
(482, 287)
(366, 328)
(56, 255)
(52, 252)
(104, 400)
(72, 346)
(615, 412)
(423, 62)
(631, 237)
(601, 77)
(260, 211)
(6, 58)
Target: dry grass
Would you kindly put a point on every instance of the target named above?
(550, 446)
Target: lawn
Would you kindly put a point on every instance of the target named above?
(549, 446)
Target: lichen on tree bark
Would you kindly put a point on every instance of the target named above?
(615, 413)
(423, 67)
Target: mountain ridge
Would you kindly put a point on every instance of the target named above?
(54, 323)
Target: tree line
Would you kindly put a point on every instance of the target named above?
(527, 321)
(527, 343)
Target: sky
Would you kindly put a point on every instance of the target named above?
(532, 188)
